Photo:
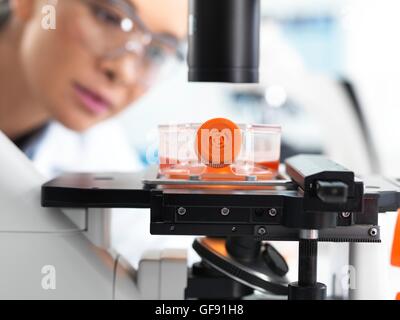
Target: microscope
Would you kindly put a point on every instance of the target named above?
(56, 235)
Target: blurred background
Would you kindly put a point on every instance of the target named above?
(329, 76)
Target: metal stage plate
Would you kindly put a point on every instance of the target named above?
(266, 214)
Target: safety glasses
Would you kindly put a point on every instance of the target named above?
(123, 29)
(112, 28)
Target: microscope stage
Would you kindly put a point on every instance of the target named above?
(312, 201)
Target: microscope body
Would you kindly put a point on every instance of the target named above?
(55, 254)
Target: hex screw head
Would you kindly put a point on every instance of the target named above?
(273, 212)
(261, 231)
(373, 232)
(181, 211)
(225, 211)
(346, 214)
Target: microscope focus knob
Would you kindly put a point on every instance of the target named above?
(275, 260)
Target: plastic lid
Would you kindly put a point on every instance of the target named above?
(218, 142)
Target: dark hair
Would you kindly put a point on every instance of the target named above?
(5, 11)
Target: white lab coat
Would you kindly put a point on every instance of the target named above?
(101, 149)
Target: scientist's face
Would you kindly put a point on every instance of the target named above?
(98, 59)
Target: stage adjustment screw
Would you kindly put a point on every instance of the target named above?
(181, 211)
(346, 214)
(373, 232)
(273, 212)
(261, 231)
(225, 211)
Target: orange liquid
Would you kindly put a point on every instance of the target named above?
(173, 169)
(269, 165)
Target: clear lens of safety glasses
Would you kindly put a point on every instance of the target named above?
(112, 29)
(162, 72)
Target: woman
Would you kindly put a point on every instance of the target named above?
(102, 56)
(59, 88)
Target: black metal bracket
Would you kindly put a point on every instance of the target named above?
(315, 200)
